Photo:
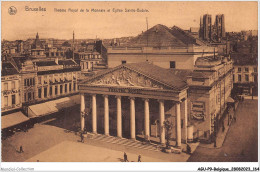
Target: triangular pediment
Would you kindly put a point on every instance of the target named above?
(126, 77)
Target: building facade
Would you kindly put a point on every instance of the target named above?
(210, 85)
(165, 47)
(127, 100)
(43, 80)
(10, 84)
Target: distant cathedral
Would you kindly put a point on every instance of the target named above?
(212, 33)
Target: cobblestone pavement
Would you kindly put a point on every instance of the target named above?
(77, 152)
(47, 135)
(241, 143)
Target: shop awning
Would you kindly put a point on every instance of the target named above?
(53, 106)
(13, 119)
(230, 100)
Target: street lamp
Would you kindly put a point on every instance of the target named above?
(215, 132)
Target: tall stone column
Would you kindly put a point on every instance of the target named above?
(94, 113)
(146, 119)
(82, 111)
(53, 91)
(132, 117)
(48, 91)
(162, 119)
(178, 118)
(185, 120)
(42, 92)
(58, 89)
(106, 115)
(119, 116)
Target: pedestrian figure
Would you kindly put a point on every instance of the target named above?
(139, 158)
(21, 149)
(188, 149)
(82, 137)
(125, 157)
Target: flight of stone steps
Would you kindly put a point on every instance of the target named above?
(124, 141)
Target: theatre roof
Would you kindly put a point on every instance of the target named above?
(164, 76)
(162, 36)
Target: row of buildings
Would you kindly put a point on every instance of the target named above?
(26, 81)
(161, 74)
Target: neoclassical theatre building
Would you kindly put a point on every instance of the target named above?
(142, 89)
(124, 101)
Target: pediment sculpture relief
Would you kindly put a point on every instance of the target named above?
(126, 77)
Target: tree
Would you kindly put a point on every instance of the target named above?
(168, 126)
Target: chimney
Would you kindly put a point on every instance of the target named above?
(57, 60)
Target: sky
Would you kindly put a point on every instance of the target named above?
(89, 25)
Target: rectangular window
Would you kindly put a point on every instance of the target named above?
(29, 96)
(239, 69)
(172, 64)
(5, 86)
(40, 93)
(50, 90)
(25, 97)
(13, 84)
(66, 88)
(13, 99)
(61, 87)
(123, 61)
(246, 77)
(239, 78)
(255, 78)
(56, 90)
(39, 80)
(28, 82)
(246, 69)
(74, 86)
(5, 101)
(69, 87)
(87, 65)
(45, 92)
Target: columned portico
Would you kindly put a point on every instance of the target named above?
(119, 116)
(94, 113)
(106, 115)
(82, 111)
(162, 119)
(132, 117)
(135, 100)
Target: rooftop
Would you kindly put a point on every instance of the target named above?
(162, 36)
(8, 69)
(157, 73)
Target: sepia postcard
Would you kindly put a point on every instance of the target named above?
(118, 81)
